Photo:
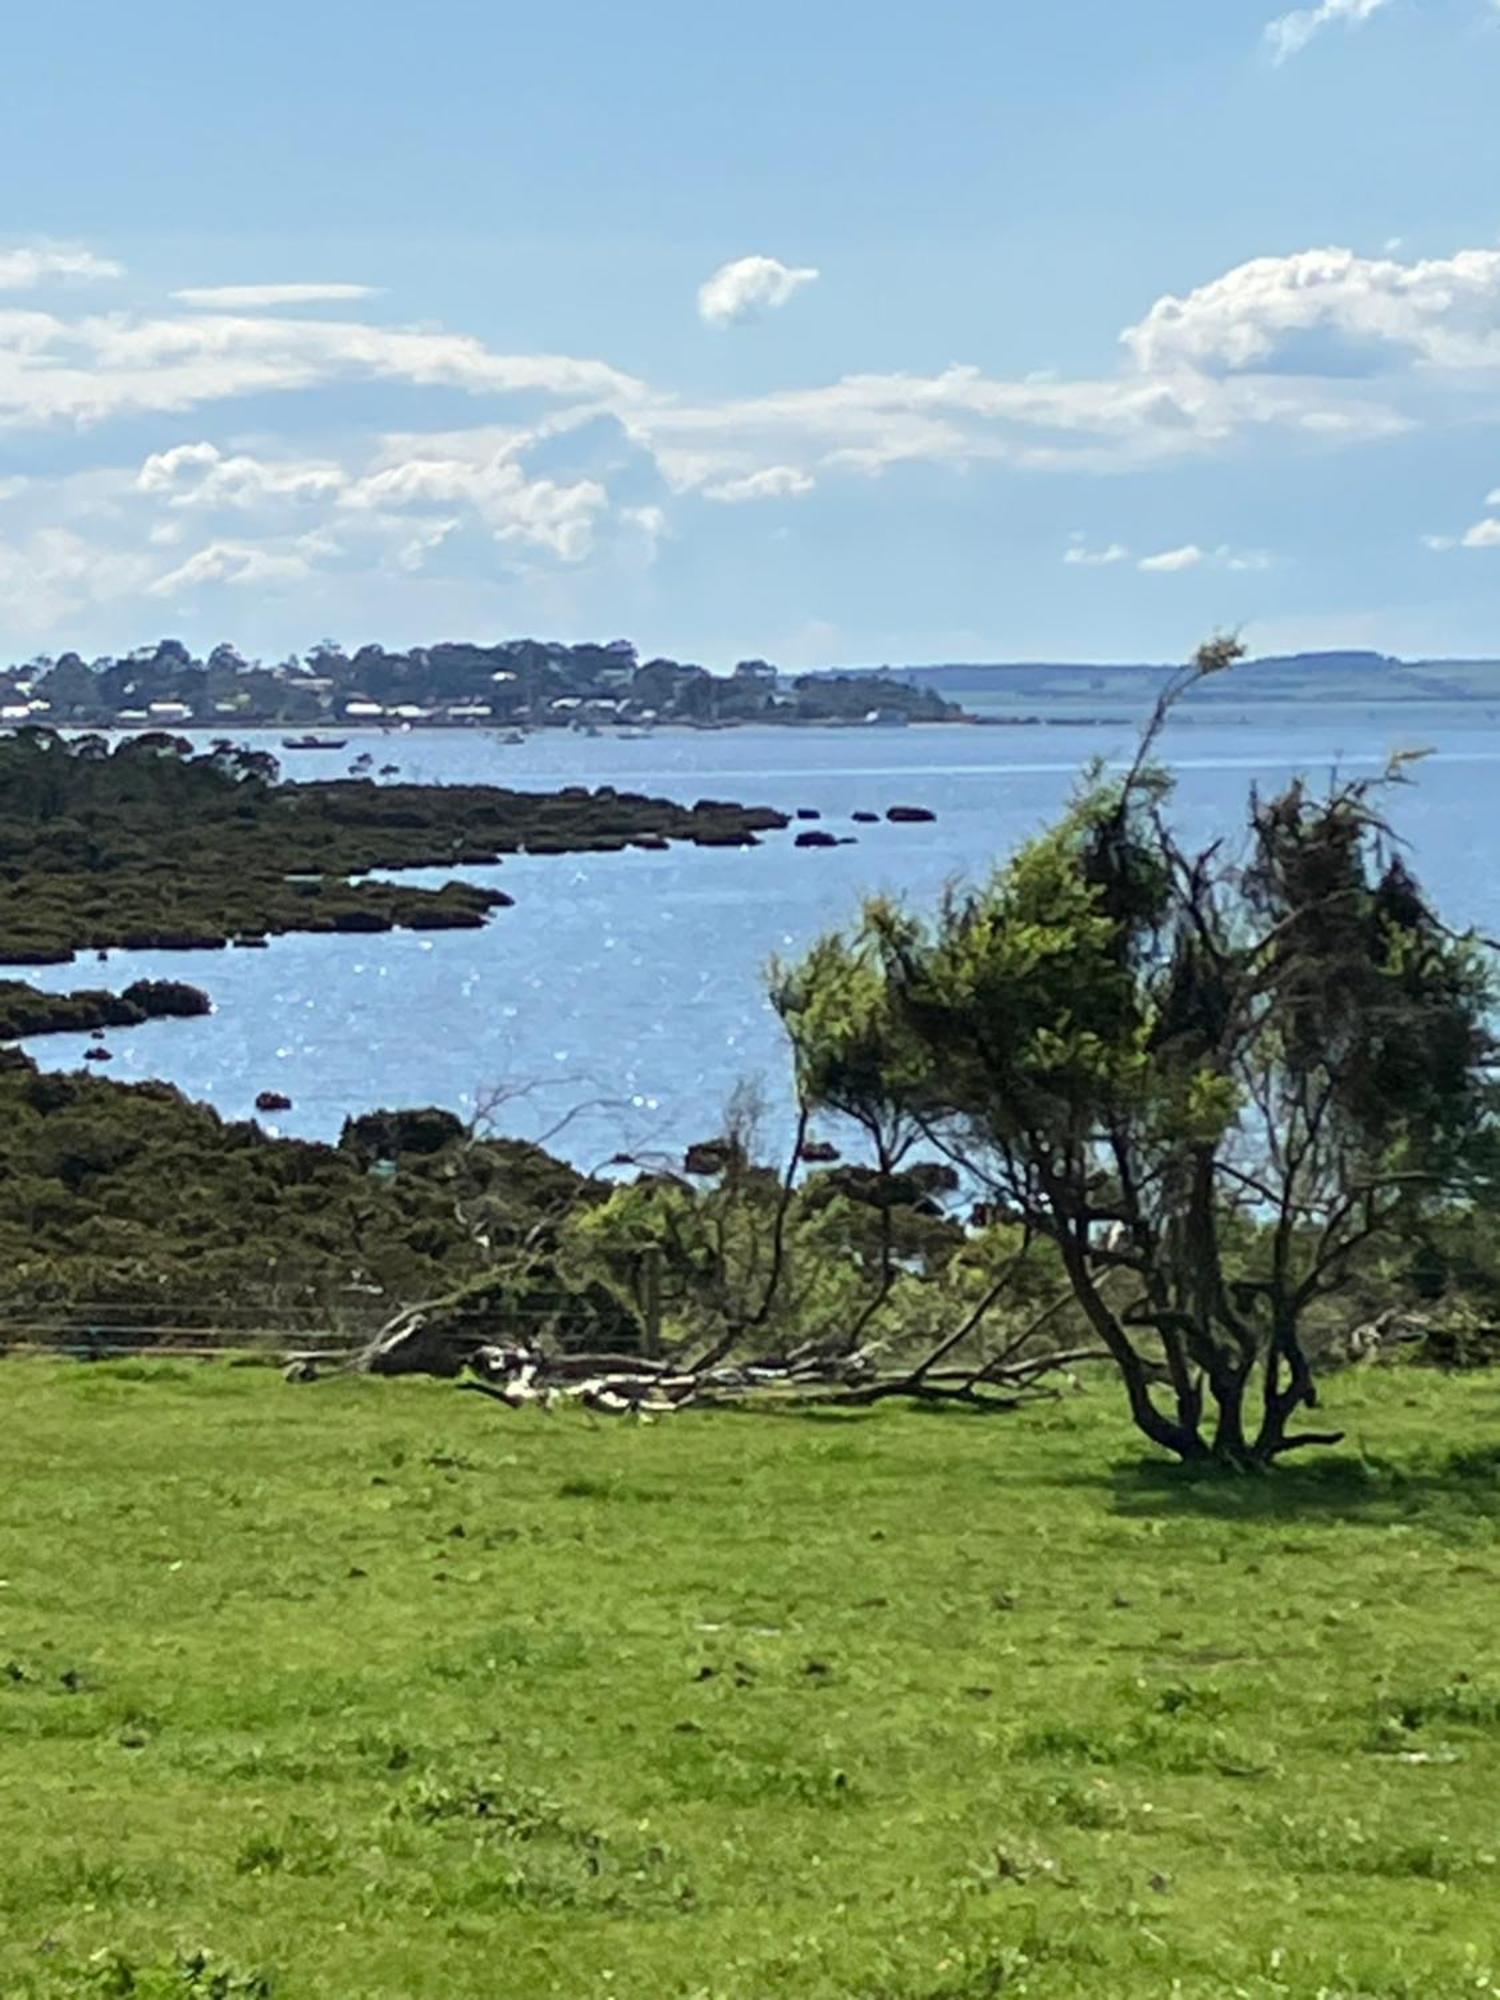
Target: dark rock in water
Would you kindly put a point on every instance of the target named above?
(272, 1100)
(820, 1152)
(816, 837)
(253, 943)
(866, 818)
(98, 1033)
(808, 812)
(652, 843)
(97, 1055)
(909, 815)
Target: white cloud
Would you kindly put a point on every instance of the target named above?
(1171, 560)
(96, 368)
(389, 499)
(23, 269)
(241, 563)
(773, 482)
(572, 463)
(1482, 534)
(558, 516)
(199, 475)
(1191, 556)
(237, 563)
(1290, 34)
(253, 297)
(1329, 313)
(748, 287)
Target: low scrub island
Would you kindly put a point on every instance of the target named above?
(152, 844)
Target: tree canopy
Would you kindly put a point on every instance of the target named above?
(1210, 1078)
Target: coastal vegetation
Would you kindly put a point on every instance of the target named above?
(26, 1011)
(151, 843)
(540, 683)
(1210, 1081)
(1209, 1116)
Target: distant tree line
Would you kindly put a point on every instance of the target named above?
(530, 681)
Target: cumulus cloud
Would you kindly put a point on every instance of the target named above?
(21, 270)
(201, 476)
(1329, 313)
(1290, 34)
(1484, 534)
(253, 297)
(570, 461)
(748, 287)
(772, 482)
(405, 497)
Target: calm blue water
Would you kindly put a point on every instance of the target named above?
(632, 984)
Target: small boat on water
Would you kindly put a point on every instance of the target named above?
(511, 737)
(314, 742)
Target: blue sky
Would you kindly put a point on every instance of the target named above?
(826, 333)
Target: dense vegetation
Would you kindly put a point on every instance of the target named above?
(25, 1010)
(365, 1690)
(152, 844)
(534, 681)
(131, 1215)
(127, 1212)
(1211, 1082)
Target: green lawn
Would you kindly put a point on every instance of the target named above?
(371, 1689)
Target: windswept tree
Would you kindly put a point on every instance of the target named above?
(1213, 1079)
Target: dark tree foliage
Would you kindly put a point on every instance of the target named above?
(1213, 1079)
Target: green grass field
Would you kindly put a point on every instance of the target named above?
(369, 1689)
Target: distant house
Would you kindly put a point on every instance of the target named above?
(170, 711)
(364, 711)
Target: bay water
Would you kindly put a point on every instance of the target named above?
(619, 1002)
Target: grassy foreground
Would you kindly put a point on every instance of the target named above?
(368, 1689)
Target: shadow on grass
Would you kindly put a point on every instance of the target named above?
(1461, 1486)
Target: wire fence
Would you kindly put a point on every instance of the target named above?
(98, 1329)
